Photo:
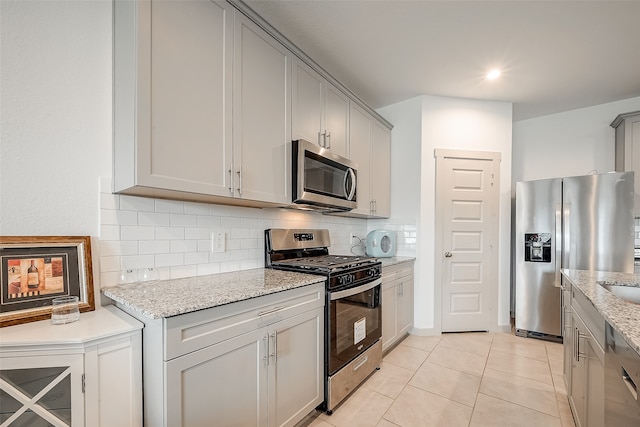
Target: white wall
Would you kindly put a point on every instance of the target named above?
(55, 139)
(439, 122)
(571, 143)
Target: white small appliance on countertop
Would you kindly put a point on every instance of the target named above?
(381, 243)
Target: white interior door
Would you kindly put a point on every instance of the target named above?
(467, 198)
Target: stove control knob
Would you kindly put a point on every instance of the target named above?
(347, 279)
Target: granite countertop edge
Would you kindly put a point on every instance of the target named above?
(387, 262)
(624, 316)
(166, 298)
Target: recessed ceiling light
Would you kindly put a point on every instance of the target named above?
(493, 74)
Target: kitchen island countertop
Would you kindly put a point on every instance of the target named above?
(622, 315)
(165, 298)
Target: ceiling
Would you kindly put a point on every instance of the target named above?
(554, 55)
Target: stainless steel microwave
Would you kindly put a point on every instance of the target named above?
(321, 179)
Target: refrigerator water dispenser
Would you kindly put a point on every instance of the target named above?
(537, 247)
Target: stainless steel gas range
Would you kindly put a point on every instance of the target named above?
(353, 314)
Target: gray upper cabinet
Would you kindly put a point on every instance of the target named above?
(261, 115)
(381, 170)
(172, 96)
(320, 111)
(202, 106)
(627, 128)
(370, 148)
(204, 97)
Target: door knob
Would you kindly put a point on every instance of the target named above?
(448, 254)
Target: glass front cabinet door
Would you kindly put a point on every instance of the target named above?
(42, 391)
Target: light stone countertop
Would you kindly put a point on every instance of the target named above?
(387, 262)
(622, 315)
(166, 298)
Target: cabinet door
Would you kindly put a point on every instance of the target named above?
(389, 313)
(184, 132)
(627, 142)
(577, 399)
(381, 170)
(296, 379)
(224, 384)
(595, 384)
(306, 105)
(42, 390)
(113, 371)
(360, 128)
(405, 305)
(262, 115)
(567, 336)
(336, 120)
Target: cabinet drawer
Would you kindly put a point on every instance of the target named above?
(589, 315)
(397, 271)
(193, 331)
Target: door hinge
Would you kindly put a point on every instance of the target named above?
(492, 179)
(83, 382)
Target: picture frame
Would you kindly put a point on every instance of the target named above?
(36, 269)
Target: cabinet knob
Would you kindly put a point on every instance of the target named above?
(448, 254)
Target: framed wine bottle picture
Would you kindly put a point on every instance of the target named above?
(36, 269)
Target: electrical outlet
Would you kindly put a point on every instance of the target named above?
(218, 241)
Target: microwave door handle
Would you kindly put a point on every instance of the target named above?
(349, 174)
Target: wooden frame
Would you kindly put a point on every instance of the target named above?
(36, 269)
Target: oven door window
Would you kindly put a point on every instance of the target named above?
(355, 324)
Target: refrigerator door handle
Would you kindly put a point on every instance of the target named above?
(558, 224)
(566, 235)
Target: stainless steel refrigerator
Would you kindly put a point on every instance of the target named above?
(583, 223)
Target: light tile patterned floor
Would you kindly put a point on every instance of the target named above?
(467, 379)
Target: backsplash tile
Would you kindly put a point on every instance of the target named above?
(174, 237)
(406, 233)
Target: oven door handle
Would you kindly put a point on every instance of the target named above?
(353, 291)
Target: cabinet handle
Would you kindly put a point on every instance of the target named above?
(230, 181)
(273, 310)
(274, 348)
(578, 352)
(320, 139)
(630, 384)
(266, 348)
(239, 172)
(327, 139)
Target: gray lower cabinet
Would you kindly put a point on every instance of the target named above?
(257, 362)
(397, 303)
(586, 394)
(567, 334)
